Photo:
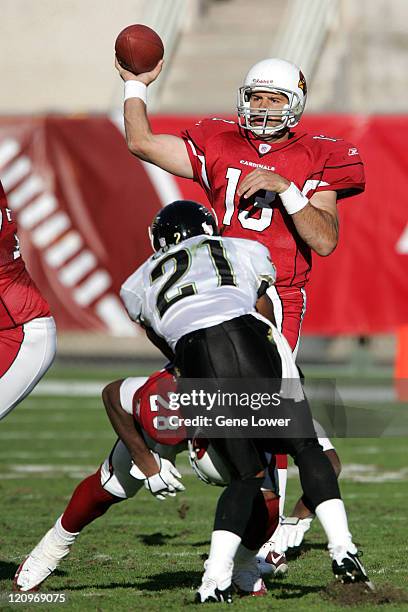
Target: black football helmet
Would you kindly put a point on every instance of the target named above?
(180, 220)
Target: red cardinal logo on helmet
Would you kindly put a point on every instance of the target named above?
(302, 82)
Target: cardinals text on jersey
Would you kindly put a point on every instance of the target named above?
(222, 155)
(174, 292)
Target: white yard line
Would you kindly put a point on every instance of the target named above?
(354, 472)
(57, 435)
(41, 454)
(75, 388)
(362, 472)
(40, 468)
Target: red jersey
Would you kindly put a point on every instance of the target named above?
(222, 155)
(20, 300)
(151, 408)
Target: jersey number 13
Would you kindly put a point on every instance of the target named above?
(258, 224)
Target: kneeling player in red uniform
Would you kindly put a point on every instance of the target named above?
(114, 481)
(27, 329)
(133, 410)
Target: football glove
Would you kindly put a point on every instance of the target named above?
(290, 533)
(162, 484)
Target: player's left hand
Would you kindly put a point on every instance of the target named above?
(143, 77)
(290, 533)
(262, 179)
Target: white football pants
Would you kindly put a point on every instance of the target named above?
(35, 355)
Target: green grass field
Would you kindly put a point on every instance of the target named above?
(148, 555)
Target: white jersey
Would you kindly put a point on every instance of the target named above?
(198, 283)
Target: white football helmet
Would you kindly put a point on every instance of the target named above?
(206, 463)
(272, 75)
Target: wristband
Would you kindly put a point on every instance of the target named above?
(136, 472)
(293, 199)
(135, 89)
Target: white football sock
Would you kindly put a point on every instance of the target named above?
(63, 536)
(333, 518)
(220, 563)
(282, 481)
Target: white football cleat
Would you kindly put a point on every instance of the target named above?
(40, 563)
(270, 561)
(210, 593)
(247, 579)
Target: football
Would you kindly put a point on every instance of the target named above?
(138, 48)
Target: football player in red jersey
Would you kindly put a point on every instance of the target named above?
(133, 410)
(265, 181)
(27, 329)
(131, 405)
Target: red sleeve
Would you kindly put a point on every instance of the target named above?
(195, 139)
(340, 168)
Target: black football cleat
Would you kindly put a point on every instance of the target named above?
(210, 593)
(348, 568)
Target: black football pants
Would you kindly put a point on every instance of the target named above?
(241, 348)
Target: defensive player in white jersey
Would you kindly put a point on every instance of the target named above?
(198, 293)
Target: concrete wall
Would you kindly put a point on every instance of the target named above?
(363, 67)
(57, 55)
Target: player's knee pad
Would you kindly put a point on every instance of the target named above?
(115, 477)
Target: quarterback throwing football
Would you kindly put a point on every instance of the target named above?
(266, 182)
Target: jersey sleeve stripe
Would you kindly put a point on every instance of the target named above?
(201, 159)
(194, 145)
(335, 167)
(295, 350)
(353, 188)
(277, 306)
